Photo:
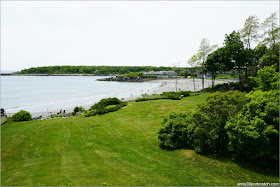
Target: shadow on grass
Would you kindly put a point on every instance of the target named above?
(271, 169)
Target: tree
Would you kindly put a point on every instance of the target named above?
(234, 51)
(193, 62)
(177, 70)
(216, 63)
(209, 134)
(249, 33)
(173, 133)
(254, 132)
(203, 51)
(258, 52)
(271, 30)
(267, 79)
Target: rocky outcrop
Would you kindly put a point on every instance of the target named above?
(126, 79)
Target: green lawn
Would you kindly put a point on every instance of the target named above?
(227, 77)
(118, 148)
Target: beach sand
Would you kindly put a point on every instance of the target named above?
(166, 85)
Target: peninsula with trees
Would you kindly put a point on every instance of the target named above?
(225, 135)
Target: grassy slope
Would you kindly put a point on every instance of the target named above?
(119, 148)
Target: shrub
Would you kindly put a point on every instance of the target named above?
(209, 133)
(88, 113)
(22, 116)
(267, 79)
(57, 116)
(104, 106)
(171, 95)
(106, 184)
(254, 132)
(184, 93)
(106, 102)
(78, 109)
(164, 95)
(174, 132)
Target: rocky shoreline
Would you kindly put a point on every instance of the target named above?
(126, 79)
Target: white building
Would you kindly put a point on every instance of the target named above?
(161, 73)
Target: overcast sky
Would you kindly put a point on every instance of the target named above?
(138, 33)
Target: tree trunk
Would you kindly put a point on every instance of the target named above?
(240, 84)
(193, 85)
(213, 80)
(202, 81)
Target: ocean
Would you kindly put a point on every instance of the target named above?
(51, 93)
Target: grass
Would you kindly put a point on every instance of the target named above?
(227, 77)
(119, 148)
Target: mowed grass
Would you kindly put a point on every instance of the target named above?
(119, 148)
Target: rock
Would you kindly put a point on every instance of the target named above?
(126, 79)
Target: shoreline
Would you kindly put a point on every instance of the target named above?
(15, 74)
(165, 85)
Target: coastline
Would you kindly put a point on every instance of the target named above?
(165, 85)
(15, 74)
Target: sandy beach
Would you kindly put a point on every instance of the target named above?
(166, 85)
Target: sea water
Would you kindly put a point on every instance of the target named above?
(52, 93)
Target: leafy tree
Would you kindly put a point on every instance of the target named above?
(193, 62)
(209, 134)
(271, 57)
(258, 52)
(249, 32)
(201, 56)
(203, 51)
(173, 133)
(216, 63)
(267, 79)
(271, 30)
(254, 132)
(235, 52)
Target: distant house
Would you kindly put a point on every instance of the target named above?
(3, 118)
(161, 73)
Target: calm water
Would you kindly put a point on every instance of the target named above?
(50, 93)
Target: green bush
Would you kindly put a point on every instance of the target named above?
(78, 109)
(88, 113)
(22, 116)
(104, 106)
(184, 93)
(267, 79)
(254, 132)
(223, 87)
(57, 116)
(106, 184)
(164, 95)
(209, 134)
(171, 95)
(174, 132)
(103, 103)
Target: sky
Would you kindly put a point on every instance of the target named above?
(117, 33)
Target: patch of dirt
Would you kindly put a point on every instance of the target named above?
(189, 153)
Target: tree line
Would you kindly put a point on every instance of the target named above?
(235, 124)
(237, 53)
(98, 70)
